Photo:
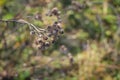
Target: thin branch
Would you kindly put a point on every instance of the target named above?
(21, 21)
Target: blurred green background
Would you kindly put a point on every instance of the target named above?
(92, 36)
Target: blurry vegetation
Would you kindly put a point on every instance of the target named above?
(92, 36)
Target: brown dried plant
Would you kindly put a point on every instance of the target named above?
(47, 36)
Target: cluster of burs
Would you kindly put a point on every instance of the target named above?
(48, 36)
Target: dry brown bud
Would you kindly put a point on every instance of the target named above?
(45, 38)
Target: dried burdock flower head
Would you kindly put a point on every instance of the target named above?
(47, 36)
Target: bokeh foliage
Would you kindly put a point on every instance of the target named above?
(92, 36)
